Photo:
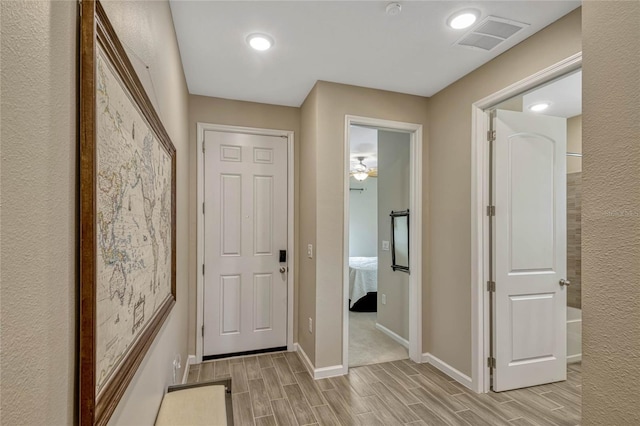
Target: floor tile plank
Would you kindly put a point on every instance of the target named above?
(284, 372)
(398, 390)
(438, 393)
(325, 416)
(266, 421)
(339, 407)
(294, 362)
(194, 372)
(299, 404)
(283, 413)
(259, 398)
(242, 412)
(206, 372)
(310, 390)
(369, 419)
(272, 383)
(428, 415)
(399, 410)
(221, 369)
(252, 366)
(238, 379)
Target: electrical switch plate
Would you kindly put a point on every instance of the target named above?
(384, 299)
(310, 251)
(385, 245)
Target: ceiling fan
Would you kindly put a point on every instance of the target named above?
(360, 171)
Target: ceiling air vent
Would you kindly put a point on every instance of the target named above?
(490, 32)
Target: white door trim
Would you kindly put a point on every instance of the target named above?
(201, 128)
(415, 224)
(480, 328)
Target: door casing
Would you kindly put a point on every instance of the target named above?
(480, 199)
(415, 249)
(201, 128)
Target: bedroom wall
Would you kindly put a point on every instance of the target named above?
(393, 194)
(449, 306)
(206, 109)
(363, 218)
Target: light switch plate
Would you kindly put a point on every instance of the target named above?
(310, 251)
(385, 245)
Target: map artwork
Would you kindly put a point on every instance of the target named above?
(133, 219)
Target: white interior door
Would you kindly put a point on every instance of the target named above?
(530, 250)
(245, 227)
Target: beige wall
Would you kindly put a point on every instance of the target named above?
(233, 113)
(38, 209)
(334, 101)
(307, 277)
(450, 177)
(393, 194)
(39, 183)
(611, 214)
(574, 143)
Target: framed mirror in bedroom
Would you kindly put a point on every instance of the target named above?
(400, 240)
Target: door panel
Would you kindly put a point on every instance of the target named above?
(530, 250)
(245, 226)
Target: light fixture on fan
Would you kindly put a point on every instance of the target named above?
(360, 172)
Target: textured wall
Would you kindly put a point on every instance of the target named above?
(450, 177)
(245, 114)
(574, 239)
(39, 182)
(38, 209)
(611, 213)
(394, 150)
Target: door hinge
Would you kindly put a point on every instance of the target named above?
(202, 147)
(491, 210)
(203, 269)
(491, 362)
(202, 208)
(491, 135)
(491, 286)
(202, 330)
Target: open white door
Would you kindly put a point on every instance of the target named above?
(530, 250)
(245, 227)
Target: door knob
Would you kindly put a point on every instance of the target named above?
(564, 282)
(283, 269)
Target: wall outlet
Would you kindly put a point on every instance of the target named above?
(384, 299)
(310, 252)
(385, 245)
(310, 325)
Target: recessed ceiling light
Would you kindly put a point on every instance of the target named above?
(539, 106)
(260, 41)
(461, 20)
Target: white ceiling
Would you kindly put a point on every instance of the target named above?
(565, 96)
(350, 42)
(363, 142)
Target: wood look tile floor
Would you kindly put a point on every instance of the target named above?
(276, 389)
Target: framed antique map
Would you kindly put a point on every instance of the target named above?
(127, 219)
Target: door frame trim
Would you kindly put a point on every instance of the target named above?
(415, 224)
(289, 135)
(480, 328)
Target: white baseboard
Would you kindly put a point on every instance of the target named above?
(455, 374)
(574, 358)
(319, 373)
(191, 359)
(395, 336)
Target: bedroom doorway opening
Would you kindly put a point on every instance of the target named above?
(378, 268)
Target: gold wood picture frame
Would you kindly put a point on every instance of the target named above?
(127, 232)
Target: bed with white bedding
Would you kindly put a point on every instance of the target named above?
(363, 277)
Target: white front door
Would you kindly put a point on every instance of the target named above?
(245, 227)
(530, 250)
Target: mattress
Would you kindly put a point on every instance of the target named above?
(363, 277)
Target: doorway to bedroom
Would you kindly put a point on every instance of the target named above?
(379, 191)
